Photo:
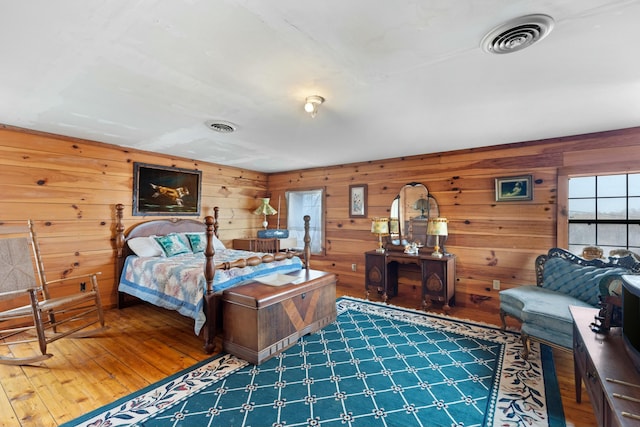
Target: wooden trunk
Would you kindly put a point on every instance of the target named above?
(261, 321)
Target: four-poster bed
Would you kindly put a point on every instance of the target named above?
(190, 282)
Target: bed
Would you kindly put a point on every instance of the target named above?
(181, 265)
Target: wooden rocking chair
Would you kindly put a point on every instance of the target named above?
(28, 313)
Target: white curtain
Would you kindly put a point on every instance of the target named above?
(299, 204)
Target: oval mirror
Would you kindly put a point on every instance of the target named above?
(409, 214)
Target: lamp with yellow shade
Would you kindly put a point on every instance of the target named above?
(437, 227)
(380, 226)
(265, 209)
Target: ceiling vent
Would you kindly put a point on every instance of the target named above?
(220, 126)
(517, 34)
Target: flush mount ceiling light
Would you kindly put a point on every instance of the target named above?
(312, 103)
(517, 34)
(221, 126)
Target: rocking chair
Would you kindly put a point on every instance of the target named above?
(28, 313)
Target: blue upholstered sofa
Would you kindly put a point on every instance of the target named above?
(563, 279)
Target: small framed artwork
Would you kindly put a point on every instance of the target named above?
(514, 188)
(163, 190)
(358, 201)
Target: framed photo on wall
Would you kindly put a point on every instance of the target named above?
(163, 190)
(358, 201)
(514, 188)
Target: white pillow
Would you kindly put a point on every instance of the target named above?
(217, 244)
(145, 246)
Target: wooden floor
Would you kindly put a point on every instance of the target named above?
(144, 344)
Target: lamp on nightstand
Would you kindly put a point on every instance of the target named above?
(380, 226)
(265, 209)
(437, 227)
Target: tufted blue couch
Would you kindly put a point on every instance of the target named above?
(563, 279)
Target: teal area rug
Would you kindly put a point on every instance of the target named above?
(377, 365)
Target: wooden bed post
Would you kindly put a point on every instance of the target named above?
(307, 242)
(120, 242)
(210, 301)
(119, 230)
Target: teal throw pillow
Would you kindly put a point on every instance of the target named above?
(172, 245)
(197, 241)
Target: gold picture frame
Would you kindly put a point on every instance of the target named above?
(164, 190)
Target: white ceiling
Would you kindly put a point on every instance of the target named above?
(399, 77)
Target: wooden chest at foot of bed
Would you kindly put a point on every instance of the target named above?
(261, 320)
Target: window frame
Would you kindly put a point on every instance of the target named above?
(321, 222)
(564, 174)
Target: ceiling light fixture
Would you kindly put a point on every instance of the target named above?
(312, 103)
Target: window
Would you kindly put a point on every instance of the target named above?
(299, 204)
(604, 210)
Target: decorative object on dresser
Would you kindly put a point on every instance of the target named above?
(514, 188)
(380, 227)
(164, 190)
(265, 209)
(55, 309)
(609, 375)
(437, 227)
(563, 280)
(189, 273)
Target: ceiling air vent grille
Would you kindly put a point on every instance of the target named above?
(220, 126)
(517, 34)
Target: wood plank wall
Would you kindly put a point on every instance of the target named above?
(492, 240)
(69, 188)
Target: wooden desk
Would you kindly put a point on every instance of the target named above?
(438, 275)
(597, 357)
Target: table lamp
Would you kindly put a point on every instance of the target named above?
(380, 226)
(437, 227)
(265, 209)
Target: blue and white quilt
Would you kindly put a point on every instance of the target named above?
(177, 283)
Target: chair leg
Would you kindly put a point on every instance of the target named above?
(94, 283)
(37, 321)
(503, 315)
(526, 346)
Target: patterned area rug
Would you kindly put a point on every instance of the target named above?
(377, 365)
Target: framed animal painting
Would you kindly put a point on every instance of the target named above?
(163, 190)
